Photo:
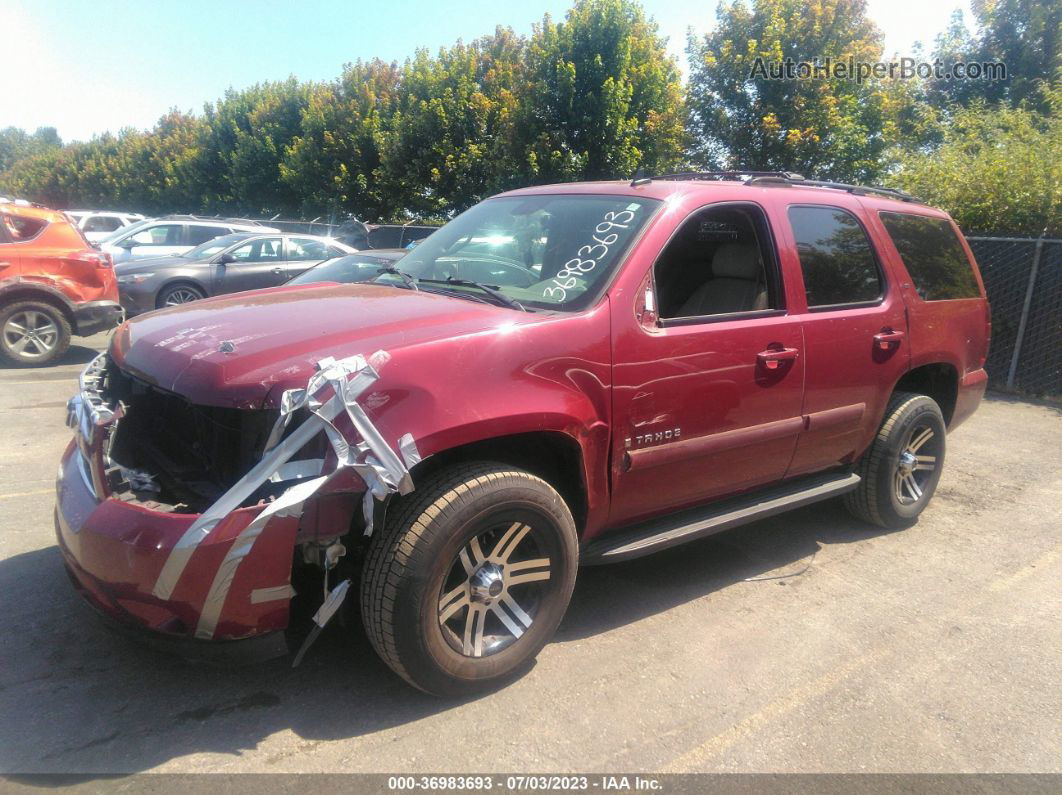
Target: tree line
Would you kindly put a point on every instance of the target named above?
(596, 96)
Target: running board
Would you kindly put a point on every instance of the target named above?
(693, 523)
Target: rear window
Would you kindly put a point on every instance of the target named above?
(835, 256)
(933, 256)
(21, 229)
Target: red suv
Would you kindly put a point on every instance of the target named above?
(53, 283)
(564, 374)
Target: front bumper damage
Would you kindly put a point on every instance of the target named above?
(225, 573)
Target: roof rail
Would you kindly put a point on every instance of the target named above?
(741, 176)
(780, 178)
(216, 218)
(858, 190)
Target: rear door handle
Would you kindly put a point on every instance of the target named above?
(772, 358)
(887, 338)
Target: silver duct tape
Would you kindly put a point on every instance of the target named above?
(287, 504)
(382, 470)
(274, 593)
(294, 470)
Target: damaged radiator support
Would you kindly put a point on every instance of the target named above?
(382, 469)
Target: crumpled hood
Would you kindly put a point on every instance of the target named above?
(237, 350)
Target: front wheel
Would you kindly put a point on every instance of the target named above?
(178, 294)
(470, 578)
(902, 467)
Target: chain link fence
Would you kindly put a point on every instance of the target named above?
(1023, 278)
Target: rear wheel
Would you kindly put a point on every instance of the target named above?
(902, 467)
(470, 578)
(33, 333)
(178, 294)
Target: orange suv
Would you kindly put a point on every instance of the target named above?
(53, 284)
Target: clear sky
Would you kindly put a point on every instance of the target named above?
(87, 66)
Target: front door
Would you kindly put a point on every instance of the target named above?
(708, 369)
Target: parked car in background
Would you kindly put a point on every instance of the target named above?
(376, 236)
(172, 234)
(358, 267)
(53, 284)
(96, 225)
(227, 264)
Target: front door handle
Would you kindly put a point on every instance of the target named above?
(887, 338)
(772, 358)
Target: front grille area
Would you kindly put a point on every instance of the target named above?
(192, 453)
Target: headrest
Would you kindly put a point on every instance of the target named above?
(736, 261)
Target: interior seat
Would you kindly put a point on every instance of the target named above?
(736, 285)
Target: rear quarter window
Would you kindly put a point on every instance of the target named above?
(21, 229)
(933, 256)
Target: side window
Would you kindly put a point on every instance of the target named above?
(303, 248)
(201, 234)
(161, 235)
(265, 250)
(836, 257)
(20, 229)
(719, 262)
(932, 255)
(101, 223)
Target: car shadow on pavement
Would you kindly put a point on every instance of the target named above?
(75, 354)
(82, 700)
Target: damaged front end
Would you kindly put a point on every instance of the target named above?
(186, 519)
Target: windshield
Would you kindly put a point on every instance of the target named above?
(345, 270)
(548, 252)
(212, 247)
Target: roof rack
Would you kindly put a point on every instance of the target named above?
(780, 178)
(186, 217)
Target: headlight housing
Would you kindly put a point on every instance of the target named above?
(135, 278)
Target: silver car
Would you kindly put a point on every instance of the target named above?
(228, 264)
(172, 234)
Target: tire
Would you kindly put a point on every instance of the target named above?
(177, 294)
(901, 468)
(469, 518)
(33, 334)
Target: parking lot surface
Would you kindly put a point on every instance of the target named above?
(938, 648)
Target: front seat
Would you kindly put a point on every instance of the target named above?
(736, 284)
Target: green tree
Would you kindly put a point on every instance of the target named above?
(819, 127)
(602, 97)
(16, 144)
(1026, 35)
(997, 171)
(333, 164)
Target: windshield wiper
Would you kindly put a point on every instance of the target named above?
(493, 292)
(407, 279)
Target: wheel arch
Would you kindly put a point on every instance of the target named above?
(23, 291)
(553, 456)
(938, 380)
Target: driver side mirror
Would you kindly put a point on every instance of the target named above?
(225, 259)
(128, 244)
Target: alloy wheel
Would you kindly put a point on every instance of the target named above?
(181, 295)
(489, 599)
(31, 334)
(916, 464)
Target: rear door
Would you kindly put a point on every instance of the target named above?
(256, 263)
(855, 333)
(303, 253)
